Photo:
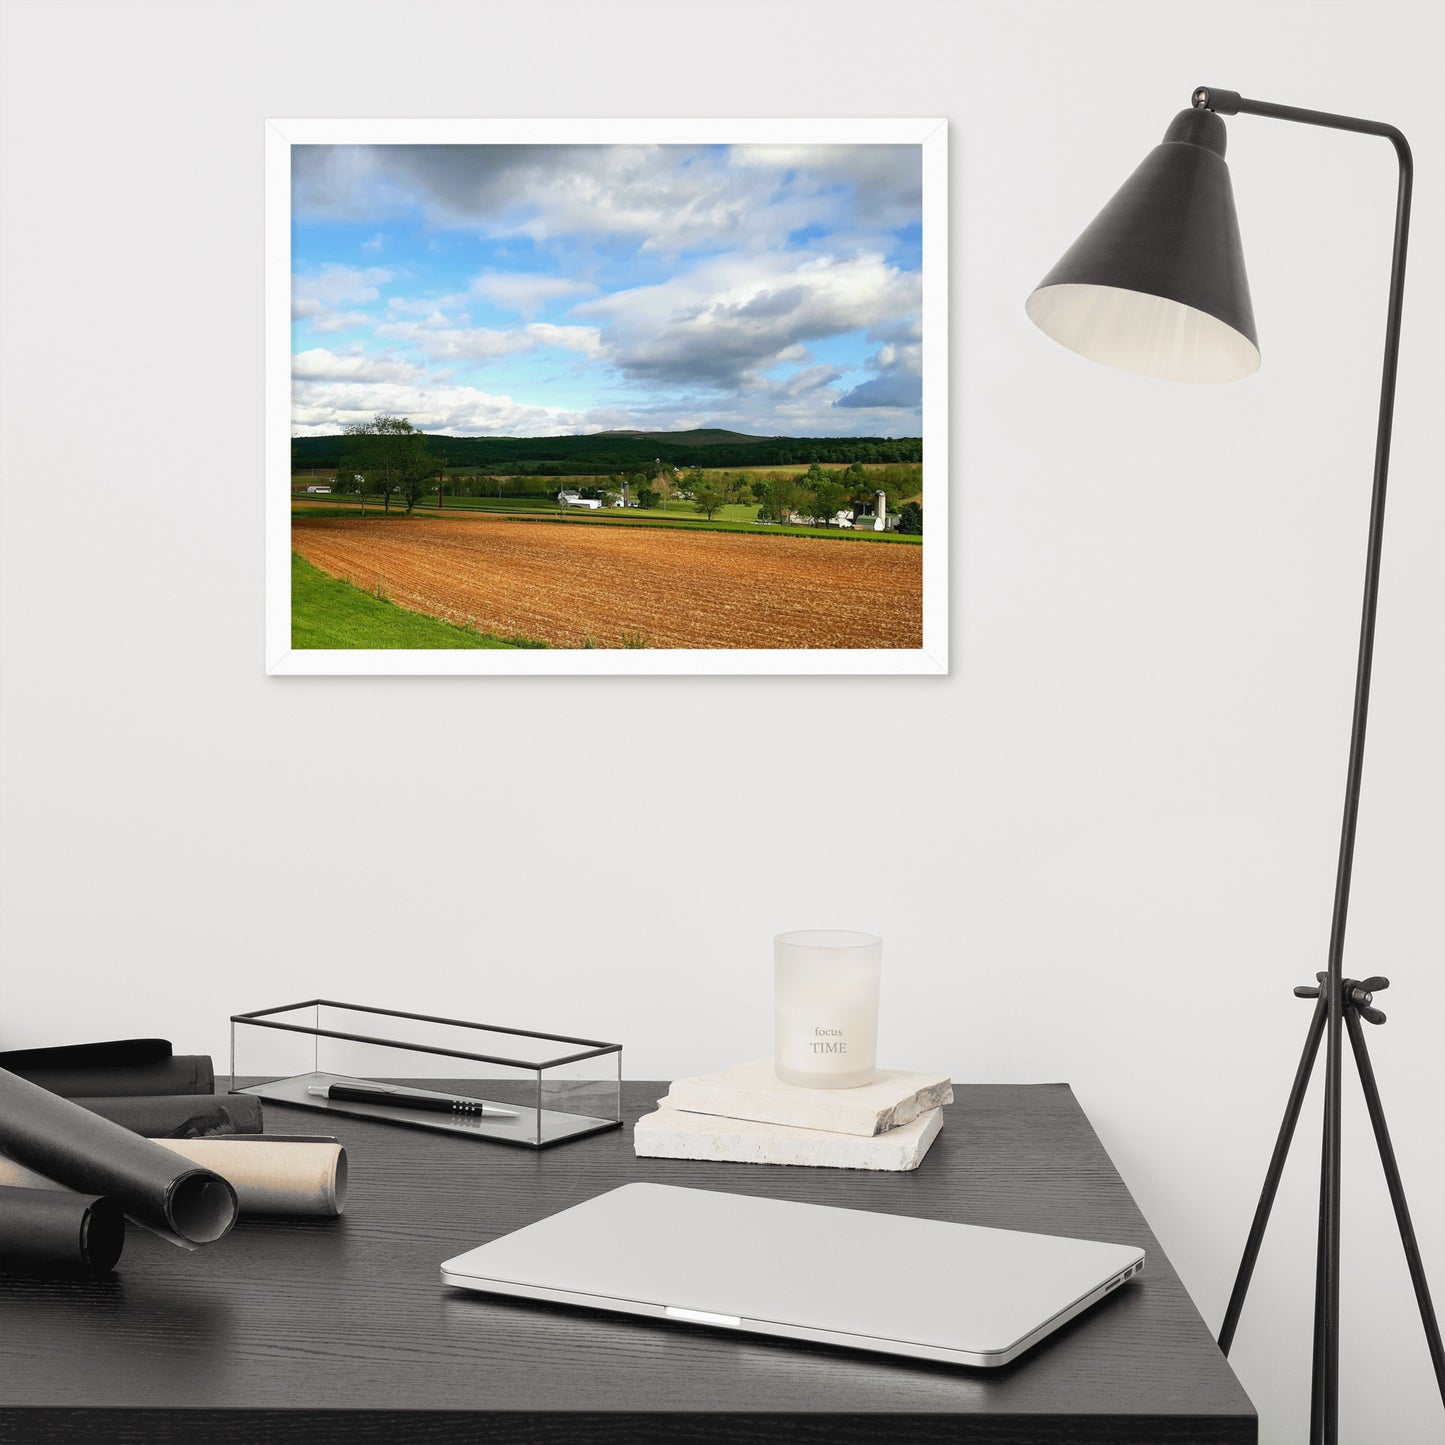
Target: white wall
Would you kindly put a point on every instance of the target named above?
(1109, 852)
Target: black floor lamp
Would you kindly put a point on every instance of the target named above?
(1157, 285)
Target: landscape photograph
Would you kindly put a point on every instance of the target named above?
(607, 396)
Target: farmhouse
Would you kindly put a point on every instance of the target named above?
(880, 519)
(575, 499)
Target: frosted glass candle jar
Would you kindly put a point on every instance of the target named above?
(825, 997)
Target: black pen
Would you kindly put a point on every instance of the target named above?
(408, 1099)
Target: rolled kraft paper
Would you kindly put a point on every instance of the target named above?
(270, 1176)
(80, 1150)
(54, 1231)
(181, 1116)
(178, 1074)
(275, 1175)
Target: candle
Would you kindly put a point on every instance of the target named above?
(825, 995)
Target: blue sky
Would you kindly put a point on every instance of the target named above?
(545, 290)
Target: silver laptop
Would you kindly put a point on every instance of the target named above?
(919, 1287)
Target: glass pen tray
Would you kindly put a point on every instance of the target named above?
(546, 1088)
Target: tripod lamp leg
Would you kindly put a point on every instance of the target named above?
(1272, 1176)
(1397, 1197)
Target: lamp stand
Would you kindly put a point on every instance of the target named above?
(1341, 1001)
(1357, 999)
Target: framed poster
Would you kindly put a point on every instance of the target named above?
(617, 396)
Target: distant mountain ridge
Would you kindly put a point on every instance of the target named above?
(702, 436)
(609, 453)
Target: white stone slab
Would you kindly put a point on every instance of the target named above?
(753, 1091)
(673, 1133)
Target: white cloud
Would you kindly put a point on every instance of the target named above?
(902, 329)
(737, 314)
(319, 364)
(327, 322)
(525, 292)
(803, 404)
(427, 307)
(480, 343)
(897, 379)
(795, 406)
(317, 298)
(323, 408)
(335, 285)
(584, 339)
(808, 380)
(884, 182)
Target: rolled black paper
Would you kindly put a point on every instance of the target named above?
(175, 1074)
(54, 1231)
(181, 1116)
(84, 1152)
(109, 1053)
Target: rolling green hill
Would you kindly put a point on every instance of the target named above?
(703, 436)
(605, 453)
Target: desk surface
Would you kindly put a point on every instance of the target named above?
(292, 1330)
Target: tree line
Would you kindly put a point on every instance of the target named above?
(589, 456)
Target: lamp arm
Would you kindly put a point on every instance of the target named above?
(1231, 102)
(1325, 1424)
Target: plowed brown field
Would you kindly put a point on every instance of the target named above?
(566, 582)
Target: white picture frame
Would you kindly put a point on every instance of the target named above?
(281, 659)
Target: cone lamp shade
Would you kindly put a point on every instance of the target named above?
(1156, 284)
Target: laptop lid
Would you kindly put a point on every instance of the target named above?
(926, 1288)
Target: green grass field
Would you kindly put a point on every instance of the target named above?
(327, 613)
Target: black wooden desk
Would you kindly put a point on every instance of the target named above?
(340, 1330)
